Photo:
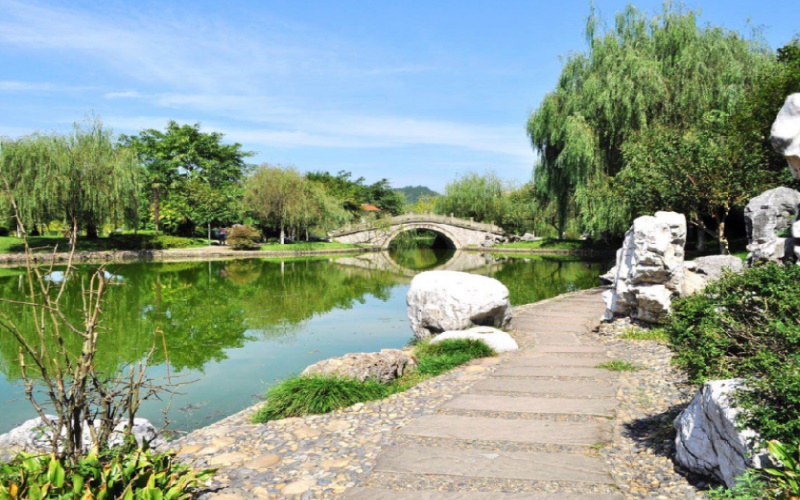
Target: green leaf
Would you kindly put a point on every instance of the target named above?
(55, 473)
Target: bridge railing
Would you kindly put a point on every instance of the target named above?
(418, 218)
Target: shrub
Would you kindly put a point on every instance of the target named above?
(315, 394)
(123, 472)
(746, 326)
(244, 238)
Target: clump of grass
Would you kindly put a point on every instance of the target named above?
(617, 365)
(315, 394)
(655, 334)
(438, 358)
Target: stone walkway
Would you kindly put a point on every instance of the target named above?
(529, 424)
(531, 429)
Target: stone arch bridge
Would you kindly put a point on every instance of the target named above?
(459, 232)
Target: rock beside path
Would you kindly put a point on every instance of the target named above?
(439, 301)
(649, 268)
(382, 367)
(498, 340)
(708, 439)
(699, 272)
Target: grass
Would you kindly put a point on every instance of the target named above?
(142, 241)
(654, 334)
(617, 365)
(301, 246)
(556, 244)
(317, 394)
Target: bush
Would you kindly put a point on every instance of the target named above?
(147, 242)
(123, 472)
(244, 238)
(746, 326)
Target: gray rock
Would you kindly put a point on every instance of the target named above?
(713, 266)
(34, 436)
(529, 237)
(649, 268)
(439, 301)
(785, 134)
(693, 282)
(382, 367)
(767, 217)
(708, 441)
(498, 340)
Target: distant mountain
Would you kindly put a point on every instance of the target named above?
(414, 193)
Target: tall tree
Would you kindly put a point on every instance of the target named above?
(480, 197)
(276, 196)
(184, 153)
(643, 71)
(85, 177)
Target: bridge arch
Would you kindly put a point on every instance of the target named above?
(452, 239)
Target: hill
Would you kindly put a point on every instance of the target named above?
(414, 193)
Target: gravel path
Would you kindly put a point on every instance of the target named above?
(423, 444)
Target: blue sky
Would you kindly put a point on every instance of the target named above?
(414, 91)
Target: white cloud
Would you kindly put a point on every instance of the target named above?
(127, 94)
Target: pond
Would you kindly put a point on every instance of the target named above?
(236, 327)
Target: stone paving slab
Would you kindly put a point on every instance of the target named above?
(490, 402)
(499, 429)
(571, 349)
(529, 466)
(513, 370)
(380, 494)
(539, 359)
(582, 388)
(541, 326)
(552, 338)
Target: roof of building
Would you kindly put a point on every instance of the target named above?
(370, 208)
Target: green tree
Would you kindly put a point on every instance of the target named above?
(481, 197)
(184, 153)
(84, 177)
(276, 196)
(665, 70)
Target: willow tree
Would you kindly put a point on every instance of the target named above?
(643, 71)
(84, 177)
(480, 197)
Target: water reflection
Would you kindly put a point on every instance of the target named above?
(240, 325)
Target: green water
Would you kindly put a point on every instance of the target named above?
(236, 327)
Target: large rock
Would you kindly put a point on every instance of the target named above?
(708, 440)
(498, 340)
(699, 272)
(649, 268)
(785, 135)
(382, 367)
(768, 218)
(34, 436)
(439, 301)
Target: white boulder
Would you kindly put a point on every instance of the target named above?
(34, 435)
(498, 340)
(382, 367)
(649, 268)
(708, 439)
(785, 134)
(699, 272)
(439, 301)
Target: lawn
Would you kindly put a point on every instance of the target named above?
(142, 241)
(555, 244)
(302, 246)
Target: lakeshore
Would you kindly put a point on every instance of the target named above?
(607, 433)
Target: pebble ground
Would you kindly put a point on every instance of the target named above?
(335, 455)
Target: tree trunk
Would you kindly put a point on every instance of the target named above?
(283, 235)
(723, 241)
(91, 230)
(156, 207)
(700, 244)
(209, 234)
